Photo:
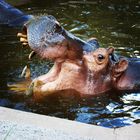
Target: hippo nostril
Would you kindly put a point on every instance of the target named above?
(58, 28)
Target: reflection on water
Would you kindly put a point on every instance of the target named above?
(115, 23)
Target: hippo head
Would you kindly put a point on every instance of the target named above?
(98, 73)
(104, 69)
(85, 67)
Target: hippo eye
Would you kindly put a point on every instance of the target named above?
(100, 57)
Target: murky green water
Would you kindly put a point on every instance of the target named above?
(115, 23)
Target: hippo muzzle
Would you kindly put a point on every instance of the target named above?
(49, 40)
(45, 37)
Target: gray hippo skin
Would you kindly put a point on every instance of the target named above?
(50, 40)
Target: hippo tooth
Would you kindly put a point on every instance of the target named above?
(23, 71)
(31, 55)
(26, 72)
(23, 39)
(24, 44)
(21, 35)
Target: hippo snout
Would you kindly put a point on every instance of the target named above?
(41, 32)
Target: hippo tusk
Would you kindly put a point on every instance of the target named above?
(26, 72)
(23, 71)
(31, 55)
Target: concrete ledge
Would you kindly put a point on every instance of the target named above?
(20, 125)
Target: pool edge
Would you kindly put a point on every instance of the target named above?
(22, 118)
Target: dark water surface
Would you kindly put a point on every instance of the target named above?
(115, 23)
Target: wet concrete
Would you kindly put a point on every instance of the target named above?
(21, 125)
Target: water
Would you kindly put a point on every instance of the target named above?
(115, 23)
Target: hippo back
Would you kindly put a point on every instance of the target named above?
(12, 16)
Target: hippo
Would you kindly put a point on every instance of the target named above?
(11, 16)
(79, 66)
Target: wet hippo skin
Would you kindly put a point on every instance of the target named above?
(79, 66)
(94, 75)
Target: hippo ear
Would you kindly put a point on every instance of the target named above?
(120, 67)
(110, 50)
